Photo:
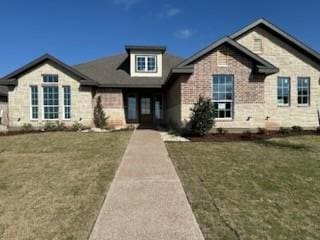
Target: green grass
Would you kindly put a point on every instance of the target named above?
(253, 190)
(52, 185)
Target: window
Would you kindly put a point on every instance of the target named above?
(132, 108)
(223, 96)
(51, 102)
(50, 78)
(34, 102)
(303, 91)
(158, 108)
(257, 45)
(283, 91)
(146, 63)
(222, 59)
(67, 102)
(145, 105)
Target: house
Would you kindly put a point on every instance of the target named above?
(259, 76)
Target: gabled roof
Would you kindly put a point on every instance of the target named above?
(284, 36)
(11, 79)
(262, 66)
(114, 72)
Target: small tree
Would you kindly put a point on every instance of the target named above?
(99, 115)
(202, 117)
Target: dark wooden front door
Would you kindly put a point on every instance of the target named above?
(145, 109)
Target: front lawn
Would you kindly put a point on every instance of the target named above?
(52, 184)
(268, 189)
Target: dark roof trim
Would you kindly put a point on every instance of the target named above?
(263, 66)
(130, 85)
(145, 48)
(11, 79)
(314, 55)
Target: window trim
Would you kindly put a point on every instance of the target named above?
(145, 56)
(231, 101)
(31, 105)
(64, 106)
(43, 106)
(289, 97)
(309, 92)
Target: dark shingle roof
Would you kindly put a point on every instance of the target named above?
(3, 91)
(114, 71)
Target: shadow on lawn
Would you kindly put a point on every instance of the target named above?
(283, 144)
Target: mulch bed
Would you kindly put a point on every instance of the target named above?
(229, 137)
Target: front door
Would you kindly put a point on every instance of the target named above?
(146, 109)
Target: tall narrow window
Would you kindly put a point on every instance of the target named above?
(283, 91)
(158, 108)
(34, 103)
(223, 96)
(51, 102)
(67, 102)
(303, 91)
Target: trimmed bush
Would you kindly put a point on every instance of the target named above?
(27, 127)
(100, 119)
(221, 131)
(296, 129)
(246, 135)
(318, 130)
(262, 131)
(49, 126)
(284, 130)
(76, 126)
(202, 117)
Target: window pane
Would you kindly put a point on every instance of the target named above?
(67, 102)
(152, 63)
(132, 108)
(283, 90)
(50, 78)
(158, 107)
(303, 90)
(145, 106)
(51, 102)
(34, 102)
(141, 64)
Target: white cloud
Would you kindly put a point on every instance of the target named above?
(170, 12)
(126, 4)
(184, 33)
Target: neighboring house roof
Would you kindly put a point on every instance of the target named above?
(3, 91)
(11, 79)
(114, 71)
(262, 66)
(145, 47)
(284, 36)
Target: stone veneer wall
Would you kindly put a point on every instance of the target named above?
(292, 64)
(19, 98)
(113, 105)
(248, 87)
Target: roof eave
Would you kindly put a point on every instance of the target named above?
(9, 82)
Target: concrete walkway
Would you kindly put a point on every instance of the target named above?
(146, 199)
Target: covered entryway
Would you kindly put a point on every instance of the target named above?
(144, 106)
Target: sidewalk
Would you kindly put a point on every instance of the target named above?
(146, 199)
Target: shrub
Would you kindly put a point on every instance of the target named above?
(76, 126)
(221, 131)
(247, 134)
(296, 129)
(284, 130)
(60, 126)
(202, 117)
(49, 126)
(318, 130)
(262, 131)
(27, 127)
(99, 115)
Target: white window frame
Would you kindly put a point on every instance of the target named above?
(64, 105)
(289, 91)
(308, 94)
(146, 57)
(225, 100)
(31, 102)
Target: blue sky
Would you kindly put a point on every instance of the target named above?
(82, 30)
